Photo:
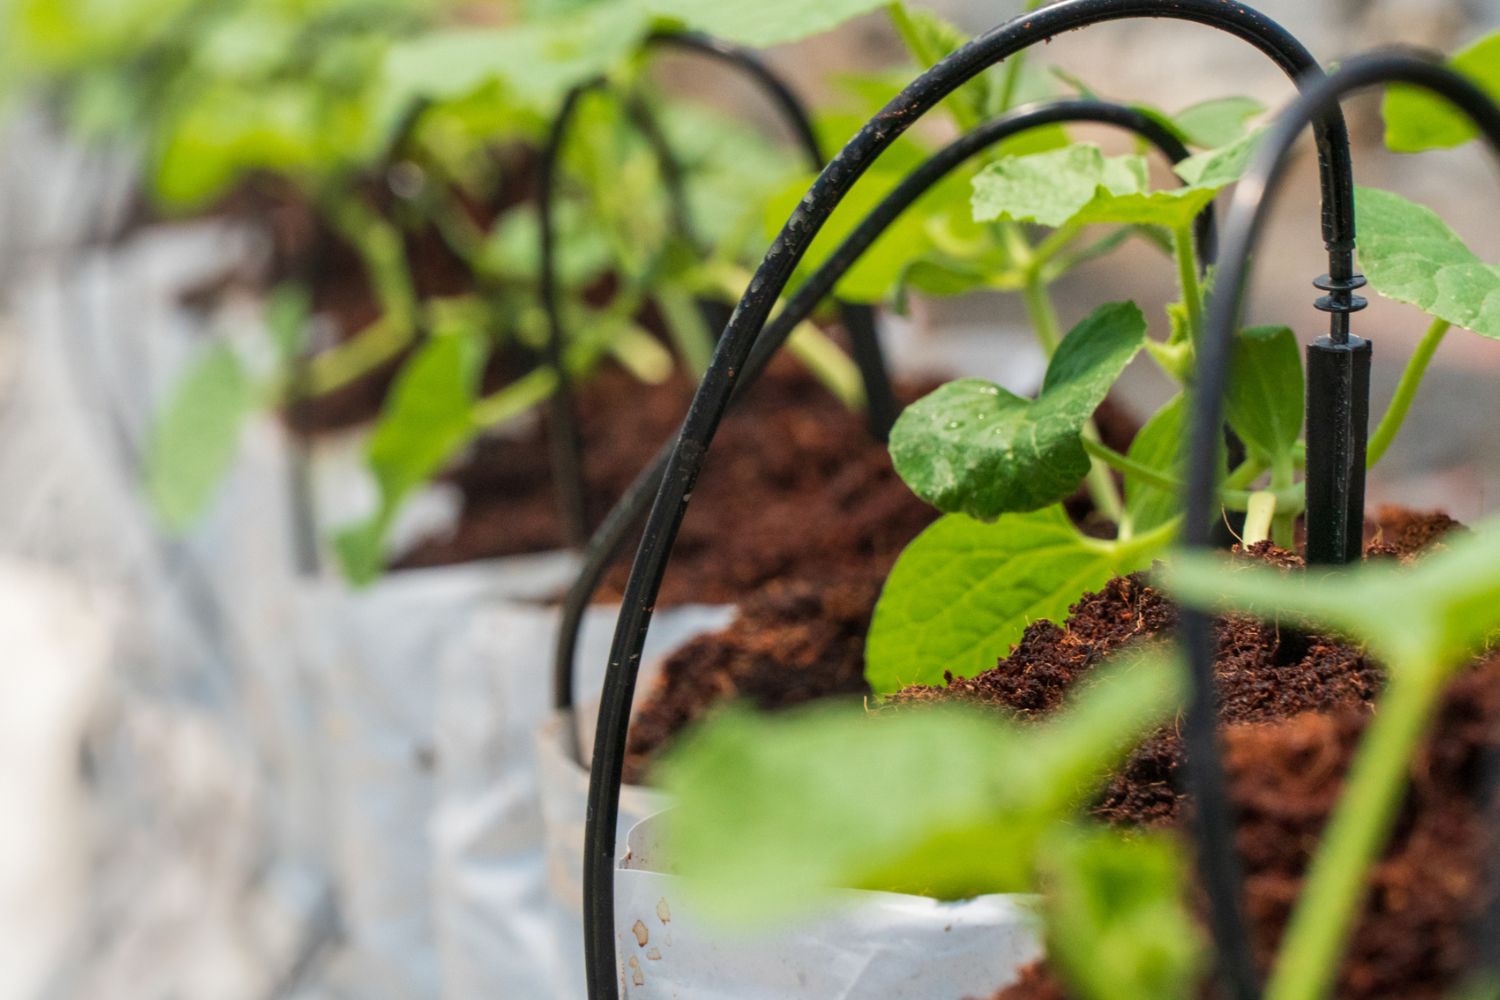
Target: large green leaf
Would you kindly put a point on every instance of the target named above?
(194, 440)
(1416, 119)
(767, 22)
(1266, 391)
(1216, 122)
(964, 590)
(1409, 254)
(1079, 184)
(534, 63)
(1157, 445)
(1050, 188)
(1440, 611)
(427, 419)
(775, 811)
(975, 448)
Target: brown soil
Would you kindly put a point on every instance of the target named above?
(1294, 707)
(793, 487)
(825, 550)
(791, 643)
(1427, 894)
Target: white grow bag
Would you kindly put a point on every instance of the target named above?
(507, 832)
(877, 946)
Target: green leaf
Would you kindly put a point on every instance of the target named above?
(196, 435)
(1440, 611)
(963, 591)
(1080, 185)
(1118, 925)
(975, 448)
(1266, 391)
(427, 419)
(1218, 121)
(534, 63)
(1157, 445)
(880, 268)
(1409, 254)
(775, 811)
(1216, 168)
(1050, 188)
(1416, 120)
(767, 22)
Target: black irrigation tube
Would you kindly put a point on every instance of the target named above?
(1340, 365)
(1218, 861)
(858, 320)
(564, 440)
(605, 545)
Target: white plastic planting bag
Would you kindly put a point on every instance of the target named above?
(875, 946)
(498, 862)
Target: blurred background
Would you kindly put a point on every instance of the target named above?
(187, 818)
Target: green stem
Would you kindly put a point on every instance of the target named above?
(828, 364)
(1320, 926)
(1013, 67)
(1184, 249)
(1406, 391)
(1259, 513)
(1284, 525)
(530, 390)
(1041, 312)
(1234, 496)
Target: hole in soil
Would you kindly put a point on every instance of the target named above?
(1291, 647)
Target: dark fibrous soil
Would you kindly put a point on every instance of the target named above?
(801, 637)
(794, 488)
(1287, 750)
(790, 644)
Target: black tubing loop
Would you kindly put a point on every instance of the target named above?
(858, 319)
(607, 541)
(734, 347)
(565, 441)
(1247, 213)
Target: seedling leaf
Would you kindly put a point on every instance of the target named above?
(975, 448)
(1265, 405)
(1416, 120)
(196, 435)
(1411, 255)
(963, 591)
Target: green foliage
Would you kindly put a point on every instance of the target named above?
(1416, 120)
(775, 811)
(1079, 185)
(1216, 122)
(1411, 255)
(428, 416)
(767, 22)
(963, 592)
(975, 448)
(1157, 445)
(1117, 923)
(195, 437)
(1266, 392)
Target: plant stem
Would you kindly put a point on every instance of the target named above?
(1013, 67)
(1284, 526)
(1406, 391)
(1361, 824)
(1184, 248)
(1041, 312)
(828, 363)
(1258, 516)
(531, 389)
(1289, 499)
